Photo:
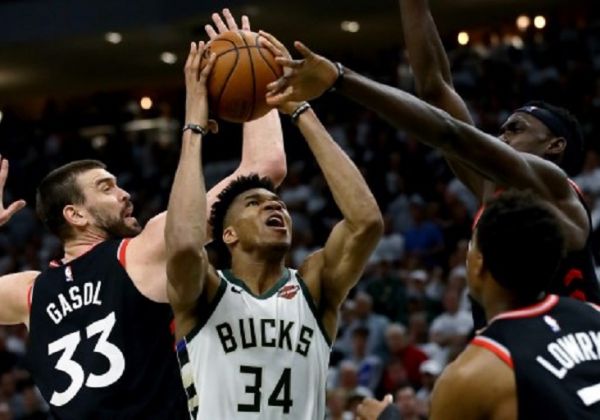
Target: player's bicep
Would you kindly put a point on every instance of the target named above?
(15, 292)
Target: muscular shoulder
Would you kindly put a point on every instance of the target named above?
(482, 382)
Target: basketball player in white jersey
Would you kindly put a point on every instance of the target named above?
(254, 340)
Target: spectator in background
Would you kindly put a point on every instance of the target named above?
(424, 241)
(407, 403)
(5, 411)
(376, 324)
(387, 291)
(336, 406)
(454, 325)
(400, 348)
(430, 371)
(348, 380)
(369, 366)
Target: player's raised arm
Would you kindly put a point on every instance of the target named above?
(433, 79)
(495, 160)
(343, 258)
(186, 225)
(14, 288)
(262, 149)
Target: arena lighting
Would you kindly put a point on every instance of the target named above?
(539, 22)
(1, 115)
(168, 57)
(146, 102)
(523, 22)
(517, 42)
(463, 38)
(350, 26)
(113, 37)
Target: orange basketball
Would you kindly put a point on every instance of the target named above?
(238, 82)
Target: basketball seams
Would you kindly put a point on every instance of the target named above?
(275, 73)
(238, 85)
(252, 71)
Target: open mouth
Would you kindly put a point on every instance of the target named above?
(276, 221)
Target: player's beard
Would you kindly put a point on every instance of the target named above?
(116, 227)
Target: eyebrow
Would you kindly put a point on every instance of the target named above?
(104, 180)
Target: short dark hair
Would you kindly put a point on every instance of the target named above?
(573, 155)
(59, 189)
(229, 194)
(521, 241)
(361, 332)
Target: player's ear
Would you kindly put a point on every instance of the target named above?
(230, 236)
(75, 215)
(556, 146)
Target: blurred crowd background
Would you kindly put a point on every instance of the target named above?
(409, 315)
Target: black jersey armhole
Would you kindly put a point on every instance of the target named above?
(317, 311)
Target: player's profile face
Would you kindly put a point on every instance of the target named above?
(525, 133)
(260, 217)
(108, 205)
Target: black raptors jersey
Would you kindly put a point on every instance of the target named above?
(575, 276)
(99, 349)
(554, 349)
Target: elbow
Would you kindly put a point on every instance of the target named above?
(276, 171)
(371, 227)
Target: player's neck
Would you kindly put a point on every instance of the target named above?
(498, 301)
(259, 275)
(76, 247)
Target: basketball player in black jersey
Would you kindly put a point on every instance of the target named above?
(100, 345)
(536, 139)
(539, 357)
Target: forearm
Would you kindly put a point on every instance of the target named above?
(263, 151)
(343, 177)
(427, 55)
(402, 110)
(186, 220)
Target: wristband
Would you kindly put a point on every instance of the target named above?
(299, 111)
(195, 128)
(340, 77)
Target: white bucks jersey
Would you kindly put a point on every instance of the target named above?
(256, 357)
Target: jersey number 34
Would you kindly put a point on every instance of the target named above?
(68, 345)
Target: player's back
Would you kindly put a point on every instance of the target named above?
(554, 349)
(98, 348)
(256, 357)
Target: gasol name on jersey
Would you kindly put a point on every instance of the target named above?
(76, 297)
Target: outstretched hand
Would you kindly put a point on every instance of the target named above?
(196, 104)
(303, 79)
(228, 25)
(279, 50)
(7, 213)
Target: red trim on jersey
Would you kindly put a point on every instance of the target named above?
(575, 187)
(482, 208)
(593, 305)
(122, 252)
(496, 348)
(477, 217)
(54, 264)
(530, 311)
(572, 274)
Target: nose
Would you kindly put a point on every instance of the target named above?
(273, 205)
(125, 196)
